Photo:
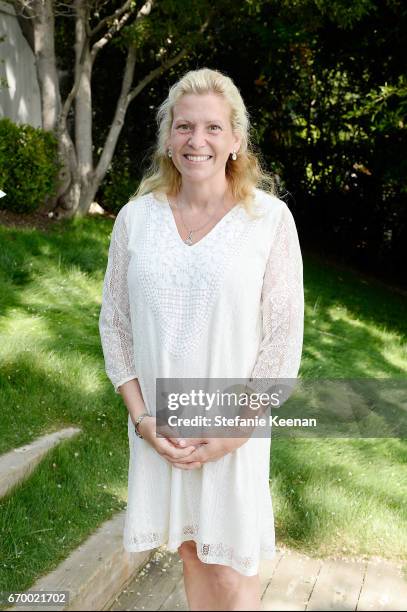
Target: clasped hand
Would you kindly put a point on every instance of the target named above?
(189, 453)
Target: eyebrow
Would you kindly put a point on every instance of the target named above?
(208, 121)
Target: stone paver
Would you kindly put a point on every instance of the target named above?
(153, 585)
(18, 464)
(267, 569)
(291, 581)
(383, 588)
(177, 599)
(338, 586)
(291, 584)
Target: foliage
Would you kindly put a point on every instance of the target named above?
(28, 167)
(119, 185)
(326, 89)
(325, 86)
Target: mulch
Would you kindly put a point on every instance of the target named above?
(33, 220)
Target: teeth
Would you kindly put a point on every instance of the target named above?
(198, 157)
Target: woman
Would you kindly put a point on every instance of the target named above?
(204, 279)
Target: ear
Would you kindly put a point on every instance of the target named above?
(237, 142)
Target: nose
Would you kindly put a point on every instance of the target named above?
(197, 138)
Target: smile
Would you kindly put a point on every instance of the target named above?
(197, 158)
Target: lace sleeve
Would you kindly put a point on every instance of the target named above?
(114, 320)
(282, 298)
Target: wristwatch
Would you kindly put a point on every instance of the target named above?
(138, 421)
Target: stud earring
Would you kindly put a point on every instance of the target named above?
(234, 156)
(169, 153)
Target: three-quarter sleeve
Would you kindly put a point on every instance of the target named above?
(114, 320)
(282, 305)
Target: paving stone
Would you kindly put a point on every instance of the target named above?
(177, 599)
(291, 584)
(384, 588)
(153, 585)
(338, 586)
(267, 569)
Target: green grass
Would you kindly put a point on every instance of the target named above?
(345, 496)
(330, 496)
(52, 376)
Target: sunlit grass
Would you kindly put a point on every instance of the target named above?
(345, 496)
(341, 496)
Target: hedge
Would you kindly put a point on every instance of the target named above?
(28, 166)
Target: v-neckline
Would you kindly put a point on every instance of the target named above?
(195, 244)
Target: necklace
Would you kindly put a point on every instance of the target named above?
(188, 240)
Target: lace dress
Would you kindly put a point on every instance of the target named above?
(230, 306)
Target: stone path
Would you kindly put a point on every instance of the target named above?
(290, 581)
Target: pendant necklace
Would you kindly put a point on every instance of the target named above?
(188, 240)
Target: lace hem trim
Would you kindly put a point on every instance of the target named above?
(218, 553)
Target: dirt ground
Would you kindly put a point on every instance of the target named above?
(34, 220)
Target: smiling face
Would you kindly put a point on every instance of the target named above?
(201, 138)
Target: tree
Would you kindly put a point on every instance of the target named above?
(165, 30)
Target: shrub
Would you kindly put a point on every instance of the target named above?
(117, 187)
(28, 166)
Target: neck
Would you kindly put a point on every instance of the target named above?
(203, 197)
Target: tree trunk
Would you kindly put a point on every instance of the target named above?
(83, 99)
(87, 196)
(44, 30)
(79, 181)
(76, 176)
(69, 191)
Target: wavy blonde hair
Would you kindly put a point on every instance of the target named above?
(244, 174)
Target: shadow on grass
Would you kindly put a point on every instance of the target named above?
(76, 487)
(331, 347)
(35, 401)
(335, 492)
(27, 253)
(63, 502)
(353, 344)
(365, 298)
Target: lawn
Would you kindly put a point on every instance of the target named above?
(331, 496)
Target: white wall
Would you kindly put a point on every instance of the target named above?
(20, 101)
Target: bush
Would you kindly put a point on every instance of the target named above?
(117, 188)
(28, 166)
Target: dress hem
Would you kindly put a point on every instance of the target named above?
(264, 555)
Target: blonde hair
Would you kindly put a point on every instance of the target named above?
(244, 174)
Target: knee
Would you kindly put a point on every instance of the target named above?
(187, 551)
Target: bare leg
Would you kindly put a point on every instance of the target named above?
(196, 578)
(210, 586)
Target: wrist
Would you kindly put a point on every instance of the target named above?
(144, 425)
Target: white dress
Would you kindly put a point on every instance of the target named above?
(231, 306)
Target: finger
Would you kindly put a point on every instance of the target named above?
(178, 442)
(185, 442)
(182, 453)
(174, 451)
(168, 432)
(191, 458)
(188, 466)
(181, 458)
